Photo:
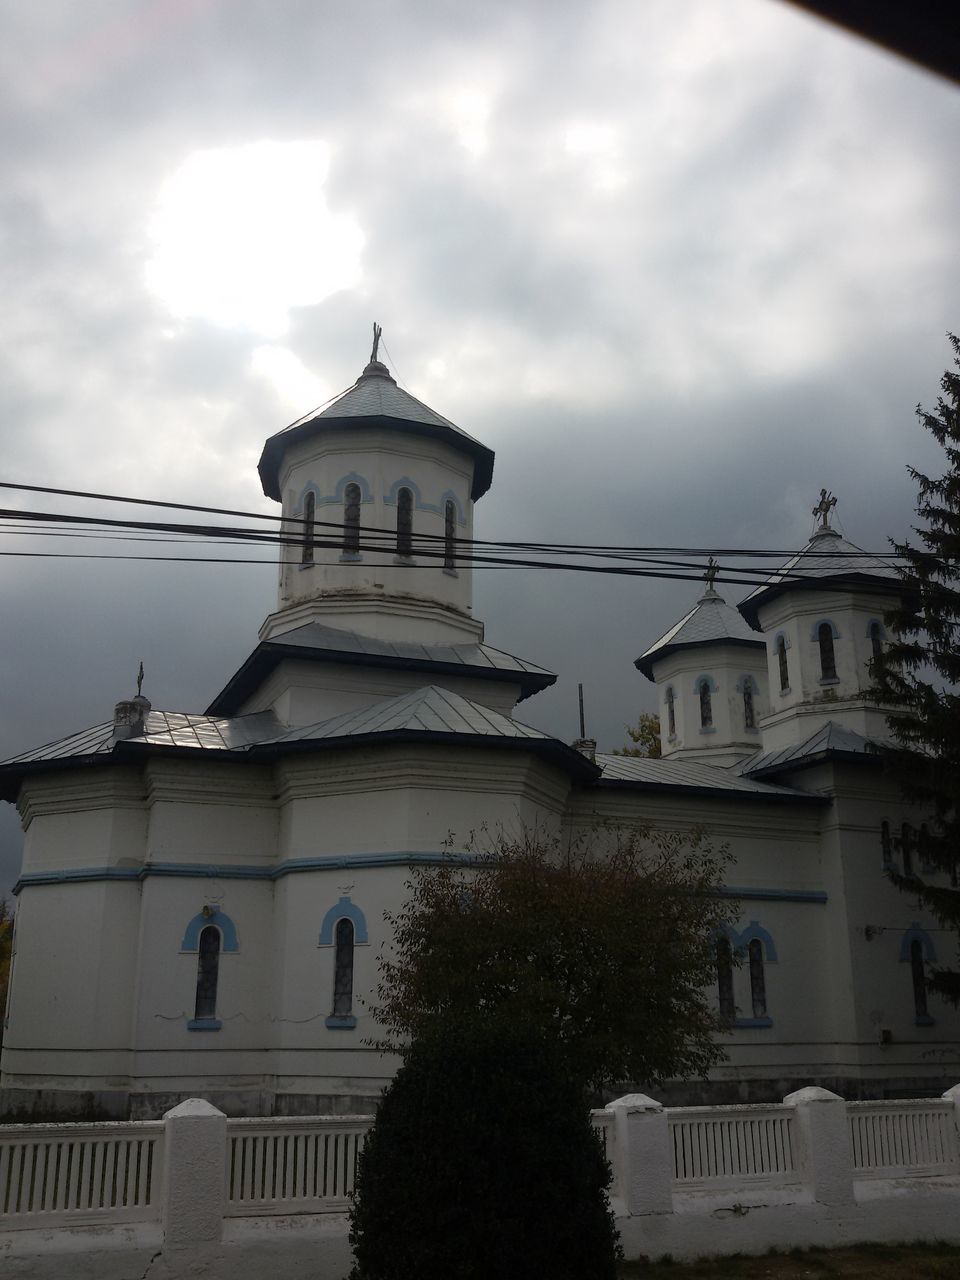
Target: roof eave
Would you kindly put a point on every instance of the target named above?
(713, 793)
(645, 663)
(750, 607)
(828, 755)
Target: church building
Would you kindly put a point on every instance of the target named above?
(201, 903)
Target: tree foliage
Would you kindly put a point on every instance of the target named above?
(645, 736)
(482, 1163)
(604, 949)
(919, 671)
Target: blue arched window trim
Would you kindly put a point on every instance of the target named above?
(309, 487)
(782, 635)
(875, 622)
(450, 496)
(824, 622)
(216, 917)
(390, 497)
(344, 910)
(707, 680)
(353, 477)
(755, 930)
(747, 681)
(917, 934)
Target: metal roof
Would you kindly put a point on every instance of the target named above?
(689, 775)
(376, 400)
(827, 556)
(710, 622)
(829, 740)
(315, 642)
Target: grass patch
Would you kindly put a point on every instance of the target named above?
(860, 1262)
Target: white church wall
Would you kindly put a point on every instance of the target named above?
(724, 668)
(210, 812)
(93, 818)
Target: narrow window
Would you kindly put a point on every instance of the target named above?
(828, 661)
(875, 644)
(351, 520)
(758, 986)
(405, 523)
(782, 659)
(906, 848)
(927, 863)
(706, 706)
(671, 714)
(309, 518)
(343, 970)
(728, 1008)
(886, 845)
(449, 535)
(749, 713)
(919, 980)
(208, 968)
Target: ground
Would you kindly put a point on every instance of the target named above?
(864, 1262)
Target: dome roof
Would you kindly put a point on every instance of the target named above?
(827, 558)
(710, 622)
(376, 400)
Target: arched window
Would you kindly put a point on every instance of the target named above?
(728, 1008)
(927, 863)
(749, 711)
(919, 980)
(758, 986)
(671, 713)
(343, 970)
(906, 848)
(886, 844)
(706, 706)
(351, 520)
(828, 661)
(876, 641)
(782, 659)
(449, 535)
(309, 519)
(208, 969)
(405, 523)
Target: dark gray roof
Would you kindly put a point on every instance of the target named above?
(429, 710)
(315, 642)
(711, 621)
(829, 740)
(376, 400)
(688, 775)
(827, 557)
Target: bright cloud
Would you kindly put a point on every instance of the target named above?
(243, 234)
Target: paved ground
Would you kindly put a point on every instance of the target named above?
(885, 1262)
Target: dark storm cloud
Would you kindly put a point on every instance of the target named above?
(679, 266)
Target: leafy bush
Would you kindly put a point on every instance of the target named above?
(481, 1164)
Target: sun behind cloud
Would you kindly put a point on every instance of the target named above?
(242, 234)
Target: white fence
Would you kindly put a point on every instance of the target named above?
(54, 1174)
(903, 1139)
(733, 1146)
(293, 1166)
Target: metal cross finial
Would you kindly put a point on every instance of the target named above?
(824, 507)
(377, 331)
(140, 681)
(710, 576)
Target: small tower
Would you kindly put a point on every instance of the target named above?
(710, 670)
(821, 615)
(377, 490)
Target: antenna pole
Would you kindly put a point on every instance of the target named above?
(583, 732)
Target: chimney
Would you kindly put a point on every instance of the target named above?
(130, 718)
(587, 747)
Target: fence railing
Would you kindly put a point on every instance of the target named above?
(55, 1174)
(292, 1166)
(727, 1145)
(915, 1139)
(602, 1121)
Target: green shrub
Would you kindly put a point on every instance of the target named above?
(482, 1164)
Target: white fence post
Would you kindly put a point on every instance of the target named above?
(643, 1159)
(825, 1137)
(194, 1159)
(953, 1095)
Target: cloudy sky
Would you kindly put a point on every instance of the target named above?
(679, 263)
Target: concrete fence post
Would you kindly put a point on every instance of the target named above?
(643, 1159)
(953, 1095)
(194, 1161)
(827, 1157)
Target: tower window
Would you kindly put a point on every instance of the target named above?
(343, 970)
(886, 844)
(706, 706)
(782, 660)
(906, 848)
(351, 520)
(208, 971)
(309, 520)
(449, 535)
(828, 661)
(758, 986)
(876, 645)
(728, 1008)
(671, 713)
(749, 710)
(405, 523)
(919, 981)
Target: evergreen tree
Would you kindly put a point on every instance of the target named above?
(919, 671)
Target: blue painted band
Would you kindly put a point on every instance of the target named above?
(340, 1024)
(204, 1024)
(752, 1023)
(773, 895)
